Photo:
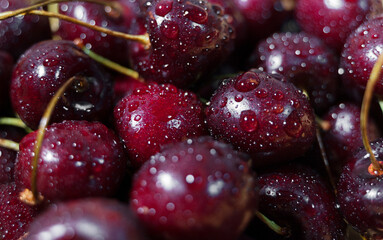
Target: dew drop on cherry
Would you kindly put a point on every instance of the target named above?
(164, 7)
(170, 29)
(292, 125)
(247, 82)
(196, 14)
(248, 121)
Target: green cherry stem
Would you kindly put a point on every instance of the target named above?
(375, 167)
(41, 132)
(15, 122)
(283, 231)
(9, 144)
(143, 39)
(108, 63)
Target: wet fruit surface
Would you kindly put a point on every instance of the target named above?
(191, 189)
(155, 115)
(77, 159)
(262, 116)
(44, 68)
(360, 194)
(86, 218)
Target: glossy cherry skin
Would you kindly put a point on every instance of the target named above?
(196, 189)
(44, 68)
(8, 156)
(87, 219)
(332, 20)
(113, 48)
(77, 159)
(19, 33)
(15, 216)
(155, 115)
(344, 137)
(124, 85)
(360, 53)
(263, 17)
(6, 67)
(360, 194)
(262, 116)
(297, 198)
(304, 60)
(188, 39)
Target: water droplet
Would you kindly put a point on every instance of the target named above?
(238, 98)
(164, 7)
(137, 118)
(248, 121)
(223, 102)
(293, 126)
(247, 82)
(170, 29)
(132, 106)
(195, 14)
(261, 93)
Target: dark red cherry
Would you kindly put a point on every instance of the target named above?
(304, 60)
(262, 116)
(15, 216)
(360, 194)
(44, 68)
(360, 53)
(155, 115)
(124, 85)
(86, 219)
(113, 48)
(77, 159)
(196, 189)
(6, 67)
(19, 33)
(297, 198)
(331, 20)
(8, 156)
(263, 17)
(188, 39)
(344, 137)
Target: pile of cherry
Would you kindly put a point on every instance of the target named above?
(238, 119)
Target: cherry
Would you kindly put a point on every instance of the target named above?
(359, 193)
(41, 71)
(304, 60)
(263, 17)
(155, 115)
(124, 85)
(6, 66)
(188, 39)
(19, 33)
(262, 116)
(77, 159)
(196, 189)
(110, 47)
(343, 136)
(86, 219)
(295, 196)
(8, 156)
(331, 21)
(360, 53)
(15, 216)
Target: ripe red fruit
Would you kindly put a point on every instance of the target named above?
(197, 189)
(155, 115)
(262, 116)
(188, 39)
(87, 219)
(44, 68)
(77, 159)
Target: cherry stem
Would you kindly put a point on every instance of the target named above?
(368, 94)
(288, 5)
(325, 159)
(6, 143)
(324, 125)
(143, 39)
(108, 63)
(283, 231)
(15, 122)
(41, 132)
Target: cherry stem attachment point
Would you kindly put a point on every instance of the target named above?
(15, 122)
(143, 39)
(283, 231)
(108, 63)
(6, 143)
(41, 132)
(375, 167)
